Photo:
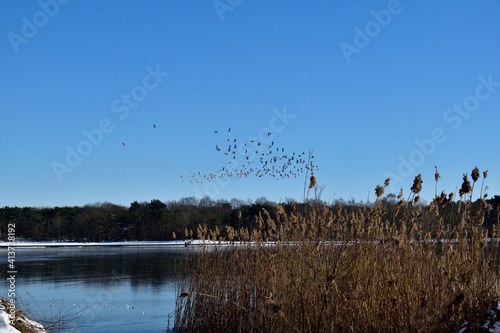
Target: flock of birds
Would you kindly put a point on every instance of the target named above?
(257, 158)
(254, 157)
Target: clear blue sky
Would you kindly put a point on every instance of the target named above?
(376, 88)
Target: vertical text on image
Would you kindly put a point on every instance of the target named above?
(12, 271)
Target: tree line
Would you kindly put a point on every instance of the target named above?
(141, 221)
(160, 221)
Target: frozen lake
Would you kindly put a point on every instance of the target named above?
(116, 289)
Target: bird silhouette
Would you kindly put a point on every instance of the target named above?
(123, 143)
(154, 125)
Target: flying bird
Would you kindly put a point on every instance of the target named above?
(123, 143)
(154, 125)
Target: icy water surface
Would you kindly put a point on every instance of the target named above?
(116, 289)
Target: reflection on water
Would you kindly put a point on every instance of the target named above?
(119, 289)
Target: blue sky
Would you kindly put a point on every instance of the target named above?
(377, 89)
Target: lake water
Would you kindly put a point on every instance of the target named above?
(116, 289)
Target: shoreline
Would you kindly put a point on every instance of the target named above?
(20, 245)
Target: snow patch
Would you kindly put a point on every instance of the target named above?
(5, 323)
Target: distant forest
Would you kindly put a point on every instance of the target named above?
(159, 221)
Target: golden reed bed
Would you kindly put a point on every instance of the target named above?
(392, 276)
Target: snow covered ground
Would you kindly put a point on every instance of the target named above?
(6, 328)
(176, 243)
(21, 244)
(492, 323)
(5, 324)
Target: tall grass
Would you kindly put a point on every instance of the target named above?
(316, 268)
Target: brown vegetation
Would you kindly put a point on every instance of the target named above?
(403, 267)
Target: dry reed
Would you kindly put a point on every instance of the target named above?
(331, 269)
